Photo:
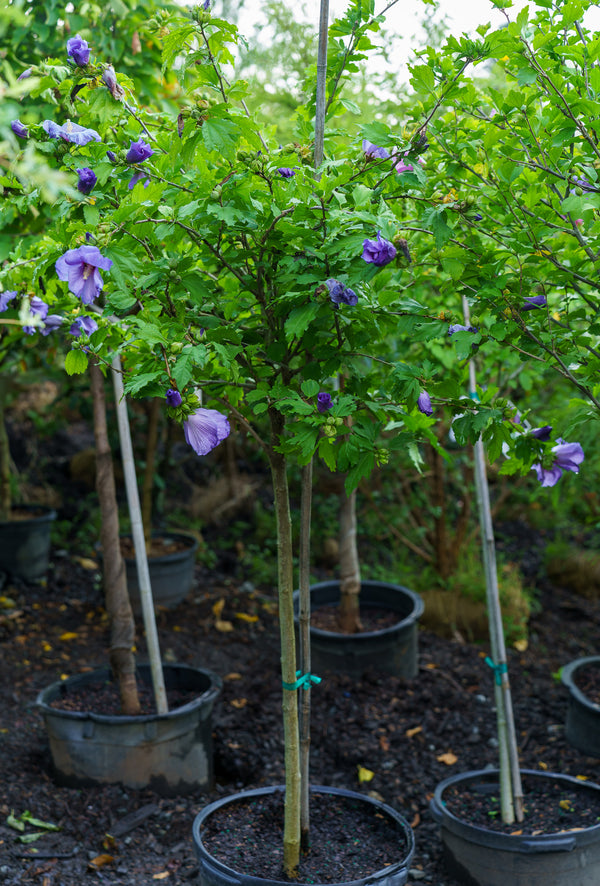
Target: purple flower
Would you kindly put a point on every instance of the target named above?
(78, 50)
(71, 132)
(534, 301)
(5, 297)
(19, 129)
(135, 178)
(373, 152)
(52, 322)
(379, 252)
(286, 172)
(173, 398)
(568, 457)
(80, 268)
(542, 433)
(85, 325)
(111, 156)
(138, 152)
(324, 401)
(26, 73)
(584, 184)
(38, 308)
(87, 180)
(340, 294)
(456, 327)
(205, 429)
(424, 403)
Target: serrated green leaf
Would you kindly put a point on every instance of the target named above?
(310, 388)
(76, 362)
(300, 319)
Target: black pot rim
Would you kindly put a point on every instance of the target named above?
(45, 514)
(512, 843)
(178, 535)
(209, 695)
(258, 792)
(567, 678)
(414, 615)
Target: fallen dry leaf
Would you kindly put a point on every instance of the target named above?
(233, 676)
(414, 731)
(521, 645)
(68, 635)
(384, 743)
(239, 702)
(223, 626)
(243, 616)
(416, 820)
(162, 876)
(86, 562)
(99, 862)
(449, 759)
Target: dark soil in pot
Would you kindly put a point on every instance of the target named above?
(587, 679)
(349, 840)
(550, 807)
(103, 698)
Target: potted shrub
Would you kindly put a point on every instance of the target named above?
(251, 273)
(520, 847)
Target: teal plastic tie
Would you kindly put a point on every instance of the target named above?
(498, 670)
(304, 681)
(475, 396)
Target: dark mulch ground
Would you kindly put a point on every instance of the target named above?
(407, 734)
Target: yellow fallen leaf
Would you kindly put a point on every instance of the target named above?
(565, 804)
(100, 861)
(414, 731)
(86, 562)
(243, 616)
(233, 676)
(449, 759)
(542, 765)
(516, 833)
(46, 647)
(239, 702)
(521, 645)
(223, 626)
(217, 608)
(430, 666)
(364, 774)
(68, 635)
(162, 876)
(582, 777)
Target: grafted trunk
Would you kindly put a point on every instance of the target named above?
(118, 607)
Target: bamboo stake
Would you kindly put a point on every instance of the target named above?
(321, 98)
(137, 531)
(510, 774)
(304, 637)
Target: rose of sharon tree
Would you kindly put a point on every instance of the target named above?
(227, 271)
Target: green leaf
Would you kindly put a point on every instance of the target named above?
(300, 319)
(76, 362)
(91, 215)
(38, 823)
(221, 135)
(310, 388)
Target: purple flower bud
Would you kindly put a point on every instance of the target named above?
(25, 75)
(78, 50)
(19, 129)
(52, 322)
(5, 298)
(205, 429)
(110, 79)
(286, 172)
(173, 397)
(379, 252)
(324, 401)
(138, 152)
(534, 301)
(424, 403)
(542, 433)
(456, 327)
(83, 325)
(111, 156)
(87, 180)
(373, 152)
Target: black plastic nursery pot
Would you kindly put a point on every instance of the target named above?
(393, 650)
(25, 543)
(478, 856)
(583, 715)
(215, 873)
(170, 753)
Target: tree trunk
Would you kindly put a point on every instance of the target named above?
(118, 607)
(349, 609)
(5, 496)
(291, 827)
(304, 636)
